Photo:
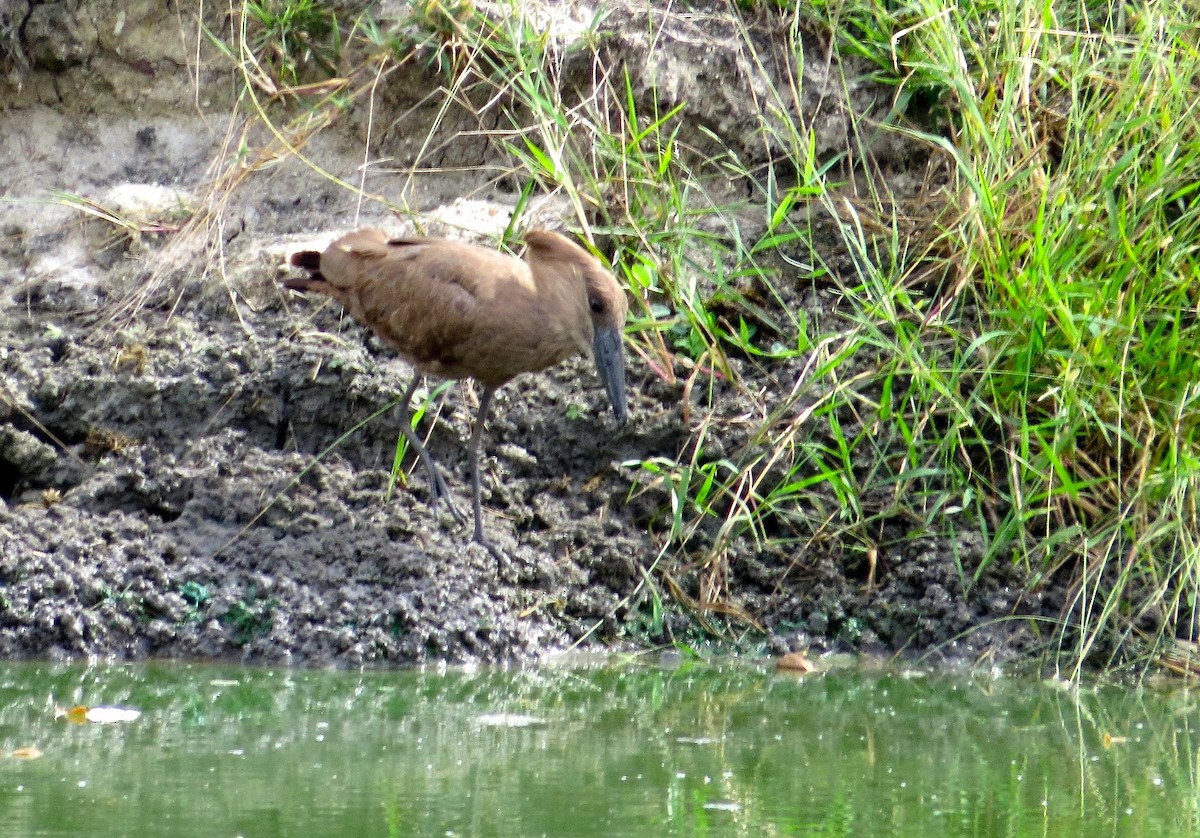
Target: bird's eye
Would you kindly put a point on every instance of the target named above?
(596, 304)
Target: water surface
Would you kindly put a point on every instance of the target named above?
(587, 750)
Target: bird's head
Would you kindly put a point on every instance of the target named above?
(606, 306)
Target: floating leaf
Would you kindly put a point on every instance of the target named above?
(1109, 740)
(794, 662)
(509, 720)
(77, 714)
(80, 714)
(723, 806)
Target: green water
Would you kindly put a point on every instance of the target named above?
(584, 750)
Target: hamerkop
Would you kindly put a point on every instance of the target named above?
(457, 310)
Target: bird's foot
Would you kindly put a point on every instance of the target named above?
(439, 491)
(495, 551)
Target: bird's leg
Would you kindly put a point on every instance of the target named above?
(485, 402)
(439, 489)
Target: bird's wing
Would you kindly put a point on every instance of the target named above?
(481, 273)
(432, 299)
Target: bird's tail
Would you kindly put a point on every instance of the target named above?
(310, 260)
(303, 283)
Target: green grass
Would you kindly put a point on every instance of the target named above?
(250, 618)
(1015, 348)
(290, 36)
(1057, 361)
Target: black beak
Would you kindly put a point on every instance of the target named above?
(610, 364)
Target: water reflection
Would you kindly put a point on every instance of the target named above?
(589, 750)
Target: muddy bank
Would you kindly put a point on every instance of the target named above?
(189, 466)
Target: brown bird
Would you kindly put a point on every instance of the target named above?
(457, 310)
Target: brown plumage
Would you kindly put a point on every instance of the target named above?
(457, 310)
